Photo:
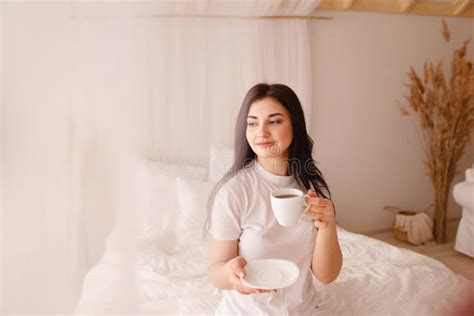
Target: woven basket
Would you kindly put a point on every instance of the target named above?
(397, 233)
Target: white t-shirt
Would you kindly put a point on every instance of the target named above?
(242, 210)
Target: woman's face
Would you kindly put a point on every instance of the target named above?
(269, 129)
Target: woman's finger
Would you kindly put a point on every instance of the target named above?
(318, 201)
(320, 224)
(256, 291)
(312, 193)
(243, 289)
(238, 286)
(325, 216)
(314, 200)
(236, 283)
(317, 217)
(318, 210)
(238, 266)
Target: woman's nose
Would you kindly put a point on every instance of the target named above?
(263, 131)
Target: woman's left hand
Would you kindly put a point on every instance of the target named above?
(321, 210)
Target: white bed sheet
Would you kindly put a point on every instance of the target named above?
(160, 276)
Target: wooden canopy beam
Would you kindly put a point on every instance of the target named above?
(460, 8)
(405, 5)
(346, 4)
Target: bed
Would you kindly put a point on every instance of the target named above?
(160, 268)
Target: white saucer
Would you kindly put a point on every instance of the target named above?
(268, 274)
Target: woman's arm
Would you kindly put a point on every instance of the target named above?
(327, 257)
(220, 254)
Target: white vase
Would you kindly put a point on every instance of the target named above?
(463, 194)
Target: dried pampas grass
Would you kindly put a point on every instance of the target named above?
(445, 112)
(445, 31)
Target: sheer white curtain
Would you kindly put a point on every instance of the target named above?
(89, 88)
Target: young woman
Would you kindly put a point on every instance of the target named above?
(272, 151)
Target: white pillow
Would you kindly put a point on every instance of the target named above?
(161, 207)
(220, 161)
(193, 195)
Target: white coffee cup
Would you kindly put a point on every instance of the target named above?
(288, 205)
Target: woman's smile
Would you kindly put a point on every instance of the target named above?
(265, 144)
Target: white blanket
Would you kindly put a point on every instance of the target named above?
(160, 276)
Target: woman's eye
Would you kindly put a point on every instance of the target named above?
(251, 124)
(275, 122)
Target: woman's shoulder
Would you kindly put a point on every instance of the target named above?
(238, 182)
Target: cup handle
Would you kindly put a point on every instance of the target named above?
(306, 206)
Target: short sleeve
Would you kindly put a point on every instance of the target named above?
(225, 216)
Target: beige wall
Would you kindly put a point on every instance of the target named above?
(370, 155)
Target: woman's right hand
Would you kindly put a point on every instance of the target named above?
(236, 271)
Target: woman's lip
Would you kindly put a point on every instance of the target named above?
(266, 144)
